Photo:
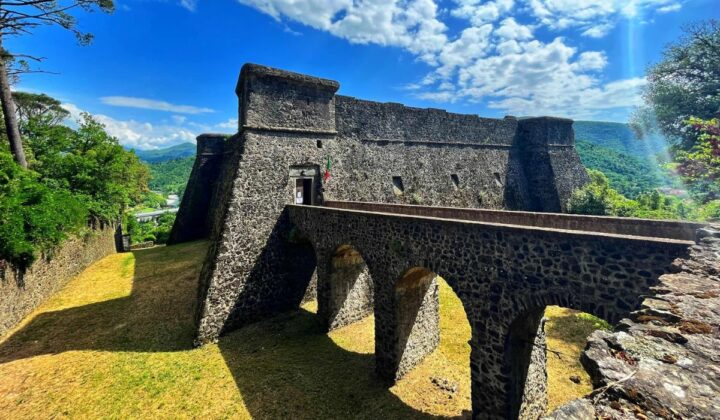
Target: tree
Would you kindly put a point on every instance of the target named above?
(20, 17)
(598, 198)
(39, 106)
(700, 165)
(684, 84)
(90, 163)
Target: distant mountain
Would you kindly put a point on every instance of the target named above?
(179, 151)
(630, 163)
(619, 137)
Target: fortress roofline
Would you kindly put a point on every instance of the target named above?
(260, 71)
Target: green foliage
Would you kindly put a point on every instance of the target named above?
(685, 83)
(710, 210)
(75, 177)
(699, 166)
(33, 217)
(171, 177)
(629, 175)
(157, 231)
(598, 198)
(39, 106)
(152, 201)
(621, 138)
(163, 228)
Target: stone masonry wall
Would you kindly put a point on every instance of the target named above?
(194, 218)
(21, 293)
(348, 295)
(501, 274)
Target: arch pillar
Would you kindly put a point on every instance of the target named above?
(508, 365)
(345, 288)
(407, 322)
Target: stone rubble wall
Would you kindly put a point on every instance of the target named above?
(21, 293)
(663, 361)
(349, 292)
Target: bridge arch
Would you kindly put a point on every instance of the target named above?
(525, 347)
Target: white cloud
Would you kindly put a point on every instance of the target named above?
(670, 8)
(412, 24)
(509, 29)
(143, 103)
(230, 124)
(189, 4)
(594, 17)
(478, 12)
(138, 134)
(495, 58)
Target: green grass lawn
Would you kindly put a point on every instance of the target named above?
(116, 342)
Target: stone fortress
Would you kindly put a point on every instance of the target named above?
(412, 194)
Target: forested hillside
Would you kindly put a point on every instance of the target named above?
(170, 177)
(628, 174)
(619, 137)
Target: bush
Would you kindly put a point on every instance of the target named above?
(597, 198)
(33, 217)
(76, 177)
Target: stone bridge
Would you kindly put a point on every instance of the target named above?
(505, 267)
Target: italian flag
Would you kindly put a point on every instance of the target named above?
(328, 165)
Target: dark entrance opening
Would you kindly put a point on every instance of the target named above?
(303, 191)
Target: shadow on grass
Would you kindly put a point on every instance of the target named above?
(284, 367)
(287, 367)
(156, 317)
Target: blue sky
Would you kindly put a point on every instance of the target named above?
(159, 72)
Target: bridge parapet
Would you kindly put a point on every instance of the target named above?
(669, 229)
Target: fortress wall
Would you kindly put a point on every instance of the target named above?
(441, 158)
(291, 125)
(368, 120)
(547, 146)
(463, 176)
(21, 293)
(255, 266)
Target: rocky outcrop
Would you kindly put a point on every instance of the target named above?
(664, 361)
